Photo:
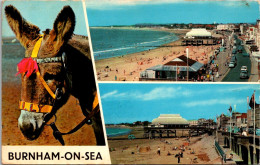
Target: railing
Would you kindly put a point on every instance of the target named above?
(220, 151)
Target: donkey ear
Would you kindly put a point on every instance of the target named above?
(24, 31)
(64, 24)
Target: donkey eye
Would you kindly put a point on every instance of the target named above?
(48, 76)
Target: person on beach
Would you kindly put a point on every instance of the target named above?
(179, 158)
(159, 151)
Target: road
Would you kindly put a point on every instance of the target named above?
(234, 73)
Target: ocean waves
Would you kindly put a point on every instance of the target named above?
(109, 43)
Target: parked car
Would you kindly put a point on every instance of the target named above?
(257, 132)
(240, 49)
(244, 74)
(245, 54)
(233, 59)
(232, 64)
(244, 68)
(234, 51)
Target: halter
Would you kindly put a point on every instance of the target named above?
(49, 109)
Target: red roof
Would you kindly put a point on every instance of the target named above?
(244, 115)
(182, 62)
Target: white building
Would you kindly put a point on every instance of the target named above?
(198, 33)
(225, 27)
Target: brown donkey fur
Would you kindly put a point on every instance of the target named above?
(56, 41)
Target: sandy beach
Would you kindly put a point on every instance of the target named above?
(144, 151)
(128, 67)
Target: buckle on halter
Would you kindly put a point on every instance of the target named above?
(55, 119)
(58, 93)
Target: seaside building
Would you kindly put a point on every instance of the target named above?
(199, 37)
(167, 125)
(170, 121)
(241, 121)
(229, 27)
(168, 71)
(193, 122)
(250, 117)
(222, 122)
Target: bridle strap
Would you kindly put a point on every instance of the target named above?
(36, 47)
(58, 135)
(35, 51)
(45, 85)
(33, 107)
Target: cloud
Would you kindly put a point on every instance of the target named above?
(154, 94)
(109, 94)
(228, 89)
(160, 93)
(116, 4)
(226, 101)
(171, 92)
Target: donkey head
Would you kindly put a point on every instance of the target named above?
(33, 91)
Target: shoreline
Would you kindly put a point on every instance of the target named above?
(128, 67)
(118, 134)
(178, 32)
(136, 131)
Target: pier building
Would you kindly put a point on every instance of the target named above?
(199, 37)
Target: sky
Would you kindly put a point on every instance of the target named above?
(44, 13)
(130, 12)
(126, 102)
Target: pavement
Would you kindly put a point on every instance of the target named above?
(236, 159)
(254, 69)
(221, 61)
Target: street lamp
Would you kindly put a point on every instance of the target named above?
(230, 110)
(254, 152)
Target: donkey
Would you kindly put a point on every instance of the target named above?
(72, 75)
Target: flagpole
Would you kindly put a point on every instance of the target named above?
(187, 51)
(254, 152)
(230, 130)
(217, 128)
(176, 72)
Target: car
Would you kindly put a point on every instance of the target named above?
(244, 68)
(240, 49)
(232, 64)
(257, 132)
(244, 74)
(234, 51)
(233, 59)
(245, 54)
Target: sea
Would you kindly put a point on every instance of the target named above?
(114, 42)
(112, 132)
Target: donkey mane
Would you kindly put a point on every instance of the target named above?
(81, 44)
